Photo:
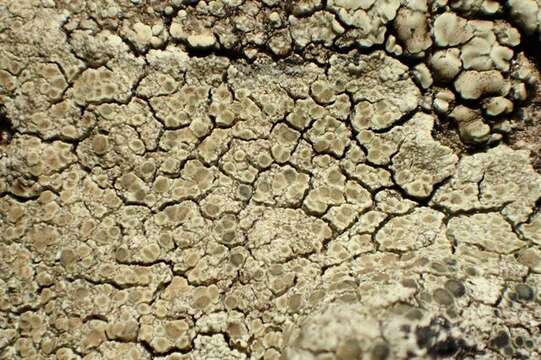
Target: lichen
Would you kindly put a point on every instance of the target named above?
(240, 179)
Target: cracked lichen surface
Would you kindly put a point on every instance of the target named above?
(265, 179)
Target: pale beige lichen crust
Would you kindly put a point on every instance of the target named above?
(241, 179)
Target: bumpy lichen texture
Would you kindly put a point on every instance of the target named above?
(264, 179)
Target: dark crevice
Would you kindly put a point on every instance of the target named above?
(6, 128)
(531, 45)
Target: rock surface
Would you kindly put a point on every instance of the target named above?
(241, 179)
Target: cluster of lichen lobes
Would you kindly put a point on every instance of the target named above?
(236, 179)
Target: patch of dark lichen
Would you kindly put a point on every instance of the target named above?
(436, 338)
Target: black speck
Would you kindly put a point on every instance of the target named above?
(445, 348)
(405, 328)
(424, 336)
(501, 340)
